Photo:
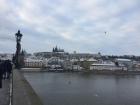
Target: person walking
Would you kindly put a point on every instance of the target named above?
(1, 74)
(9, 68)
(4, 69)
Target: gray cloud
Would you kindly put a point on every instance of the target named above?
(72, 25)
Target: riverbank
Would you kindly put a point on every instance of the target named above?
(23, 93)
(102, 72)
(117, 72)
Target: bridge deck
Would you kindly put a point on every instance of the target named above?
(4, 93)
(23, 93)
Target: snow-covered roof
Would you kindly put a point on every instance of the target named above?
(103, 64)
(82, 59)
(33, 60)
(92, 59)
(74, 60)
(124, 60)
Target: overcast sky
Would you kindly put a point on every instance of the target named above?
(75, 25)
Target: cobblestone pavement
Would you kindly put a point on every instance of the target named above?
(4, 93)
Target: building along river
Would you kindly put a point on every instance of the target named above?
(85, 88)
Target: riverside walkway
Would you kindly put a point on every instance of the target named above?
(23, 93)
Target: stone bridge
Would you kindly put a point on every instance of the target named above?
(18, 91)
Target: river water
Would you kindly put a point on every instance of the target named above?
(85, 89)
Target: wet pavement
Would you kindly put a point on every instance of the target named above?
(4, 93)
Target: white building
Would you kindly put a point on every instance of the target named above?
(106, 66)
(33, 63)
(76, 67)
(127, 62)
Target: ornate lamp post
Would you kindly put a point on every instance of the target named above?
(18, 36)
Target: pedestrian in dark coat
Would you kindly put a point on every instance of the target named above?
(1, 74)
(9, 68)
(4, 69)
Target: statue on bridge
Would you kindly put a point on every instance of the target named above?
(18, 49)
